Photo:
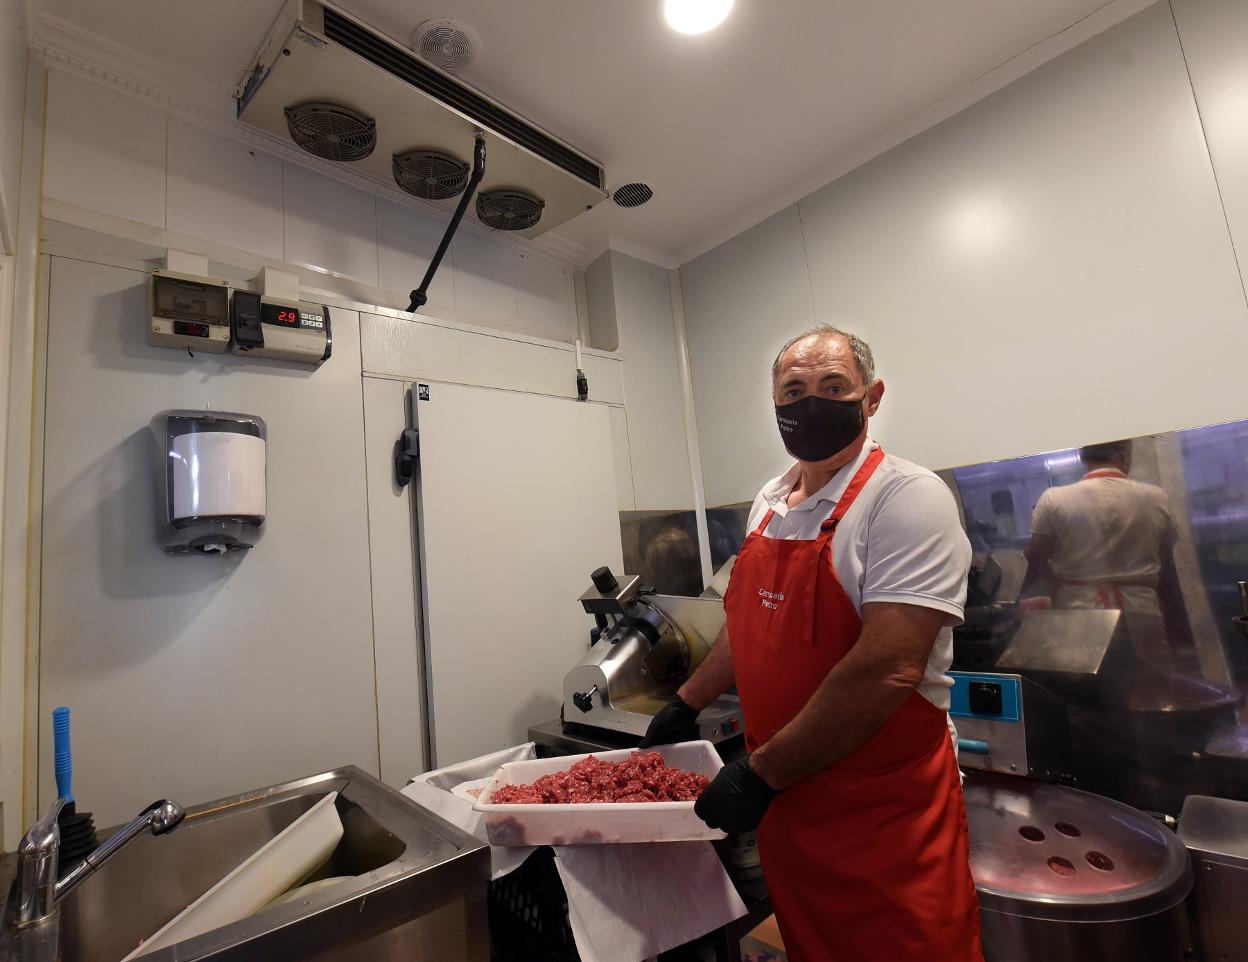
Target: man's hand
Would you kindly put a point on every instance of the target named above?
(736, 800)
(677, 722)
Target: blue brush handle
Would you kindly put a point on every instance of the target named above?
(64, 763)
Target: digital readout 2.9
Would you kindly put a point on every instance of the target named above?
(279, 314)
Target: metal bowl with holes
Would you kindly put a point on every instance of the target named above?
(1062, 874)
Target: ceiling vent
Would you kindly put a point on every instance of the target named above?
(632, 195)
(389, 100)
(508, 209)
(449, 44)
(430, 174)
(332, 131)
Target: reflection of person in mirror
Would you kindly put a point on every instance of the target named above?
(1105, 542)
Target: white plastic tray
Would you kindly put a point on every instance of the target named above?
(285, 860)
(598, 824)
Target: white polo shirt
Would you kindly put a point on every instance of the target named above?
(1106, 529)
(900, 541)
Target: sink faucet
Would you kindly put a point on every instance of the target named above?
(36, 889)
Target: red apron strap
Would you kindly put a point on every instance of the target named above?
(762, 528)
(1108, 593)
(856, 484)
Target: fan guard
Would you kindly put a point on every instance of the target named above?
(430, 174)
(509, 209)
(332, 131)
(446, 43)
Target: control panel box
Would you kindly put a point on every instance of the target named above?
(188, 311)
(1007, 723)
(297, 331)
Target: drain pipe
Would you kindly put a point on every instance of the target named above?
(421, 294)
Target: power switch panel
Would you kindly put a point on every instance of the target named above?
(248, 334)
(985, 698)
(188, 311)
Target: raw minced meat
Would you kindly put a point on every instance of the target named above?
(642, 777)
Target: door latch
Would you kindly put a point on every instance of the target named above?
(406, 454)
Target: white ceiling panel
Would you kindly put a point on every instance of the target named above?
(718, 124)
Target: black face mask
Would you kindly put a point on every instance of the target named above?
(814, 428)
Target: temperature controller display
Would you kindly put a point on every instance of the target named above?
(279, 314)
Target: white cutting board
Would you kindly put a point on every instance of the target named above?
(284, 861)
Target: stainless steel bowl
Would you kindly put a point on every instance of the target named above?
(1063, 874)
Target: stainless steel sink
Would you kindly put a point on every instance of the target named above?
(418, 888)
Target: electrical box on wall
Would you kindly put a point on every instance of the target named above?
(210, 480)
(189, 311)
(281, 329)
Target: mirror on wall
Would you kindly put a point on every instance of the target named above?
(1109, 576)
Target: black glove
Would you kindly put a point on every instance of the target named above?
(736, 800)
(676, 722)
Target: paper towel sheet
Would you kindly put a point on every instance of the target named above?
(627, 903)
(433, 790)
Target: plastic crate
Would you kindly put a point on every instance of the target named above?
(528, 911)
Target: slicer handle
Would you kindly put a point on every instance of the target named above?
(64, 762)
(604, 580)
(584, 700)
(973, 745)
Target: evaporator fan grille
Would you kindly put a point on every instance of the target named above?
(430, 174)
(509, 209)
(446, 43)
(632, 195)
(331, 131)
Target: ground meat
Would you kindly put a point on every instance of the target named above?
(642, 777)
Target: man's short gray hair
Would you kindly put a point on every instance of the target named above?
(860, 349)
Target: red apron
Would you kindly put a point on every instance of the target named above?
(867, 860)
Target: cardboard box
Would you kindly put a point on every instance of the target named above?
(764, 944)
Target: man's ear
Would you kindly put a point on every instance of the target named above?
(875, 394)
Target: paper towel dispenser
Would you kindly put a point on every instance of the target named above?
(210, 480)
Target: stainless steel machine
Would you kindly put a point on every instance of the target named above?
(1061, 873)
(644, 647)
(1145, 728)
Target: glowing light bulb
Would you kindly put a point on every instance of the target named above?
(695, 16)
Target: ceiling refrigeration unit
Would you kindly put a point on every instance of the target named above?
(346, 93)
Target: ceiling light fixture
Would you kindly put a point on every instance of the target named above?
(695, 16)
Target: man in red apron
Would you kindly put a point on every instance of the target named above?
(838, 638)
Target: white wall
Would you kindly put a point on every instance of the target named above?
(1049, 267)
(630, 310)
(12, 98)
(110, 153)
(194, 677)
(1214, 34)
(741, 300)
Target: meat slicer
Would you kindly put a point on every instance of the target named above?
(644, 647)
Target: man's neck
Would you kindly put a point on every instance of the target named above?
(814, 475)
(1104, 469)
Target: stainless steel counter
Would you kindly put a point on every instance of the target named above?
(416, 885)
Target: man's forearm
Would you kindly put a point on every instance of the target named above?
(856, 698)
(713, 677)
